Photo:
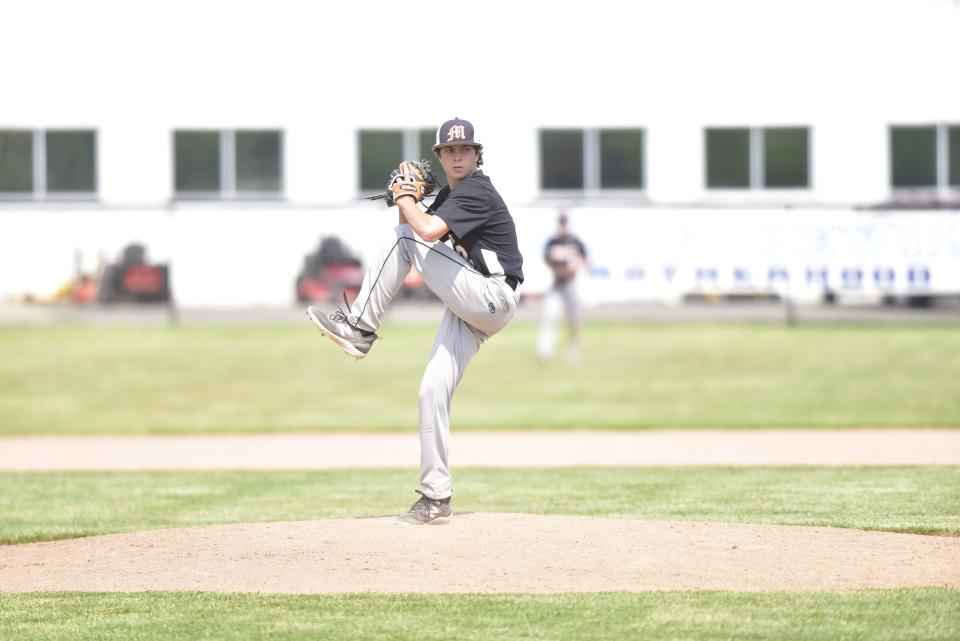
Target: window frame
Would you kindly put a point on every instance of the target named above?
(38, 169)
(227, 150)
(592, 165)
(756, 160)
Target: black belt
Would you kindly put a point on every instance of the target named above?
(512, 282)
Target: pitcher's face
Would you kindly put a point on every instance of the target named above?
(459, 161)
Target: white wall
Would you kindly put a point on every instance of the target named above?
(136, 71)
(319, 71)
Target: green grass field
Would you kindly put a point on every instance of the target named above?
(39, 506)
(874, 615)
(212, 380)
(85, 380)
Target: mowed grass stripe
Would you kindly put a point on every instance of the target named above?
(269, 379)
(38, 506)
(879, 615)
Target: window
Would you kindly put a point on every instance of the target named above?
(561, 159)
(197, 161)
(914, 156)
(259, 159)
(925, 156)
(380, 153)
(758, 158)
(382, 150)
(728, 158)
(71, 162)
(213, 164)
(591, 159)
(57, 164)
(786, 158)
(16, 162)
(621, 158)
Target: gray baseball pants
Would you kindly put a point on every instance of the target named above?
(477, 308)
(559, 300)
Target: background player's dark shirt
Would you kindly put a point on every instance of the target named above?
(479, 219)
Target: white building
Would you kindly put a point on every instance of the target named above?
(698, 146)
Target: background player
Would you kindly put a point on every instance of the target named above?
(476, 270)
(564, 255)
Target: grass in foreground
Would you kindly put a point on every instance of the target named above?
(880, 615)
(208, 380)
(38, 506)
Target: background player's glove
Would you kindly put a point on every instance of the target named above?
(411, 178)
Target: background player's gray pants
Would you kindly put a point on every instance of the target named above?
(477, 307)
(559, 300)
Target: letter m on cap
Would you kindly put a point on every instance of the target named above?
(457, 132)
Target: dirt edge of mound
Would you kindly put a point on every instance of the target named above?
(483, 553)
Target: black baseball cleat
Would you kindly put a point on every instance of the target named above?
(337, 327)
(427, 511)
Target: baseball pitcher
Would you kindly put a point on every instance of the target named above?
(465, 248)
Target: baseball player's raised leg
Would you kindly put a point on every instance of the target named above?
(487, 304)
(483, 302)
(383, 279)
(455, 345)
(355, 331)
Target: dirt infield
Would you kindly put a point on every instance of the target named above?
(488, 449)
(483, 553)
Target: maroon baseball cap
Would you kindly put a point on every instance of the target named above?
(456, 132)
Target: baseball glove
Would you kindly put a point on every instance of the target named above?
(411, 178)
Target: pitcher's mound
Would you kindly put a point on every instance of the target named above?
(483, 553)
